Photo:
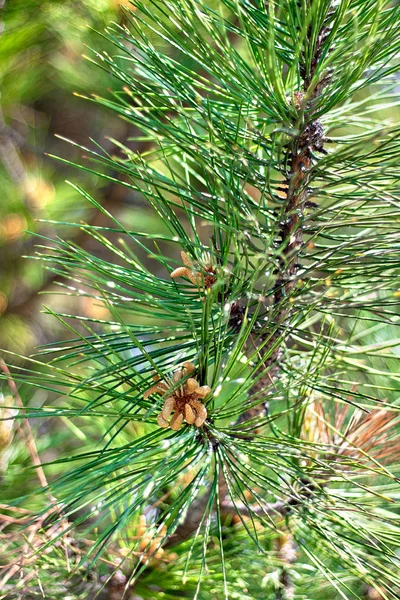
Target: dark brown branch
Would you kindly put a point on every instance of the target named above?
(272, 509)
(299, 160)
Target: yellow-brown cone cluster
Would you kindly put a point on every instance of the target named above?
(183, 400)
(202, 276)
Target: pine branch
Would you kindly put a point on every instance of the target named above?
(299, 161)
(276, 299)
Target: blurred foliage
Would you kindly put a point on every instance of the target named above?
(41, 68)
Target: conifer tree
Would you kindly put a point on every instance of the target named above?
(244, 388)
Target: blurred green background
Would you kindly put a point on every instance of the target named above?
(42, 66)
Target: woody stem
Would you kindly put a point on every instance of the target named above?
(297, 176)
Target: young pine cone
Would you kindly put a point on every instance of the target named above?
(183, 401)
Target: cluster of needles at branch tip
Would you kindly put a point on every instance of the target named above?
(183, 400)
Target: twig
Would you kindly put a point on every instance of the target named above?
(25, 431)
(228, 509)
(287, 553)
(278, 508)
